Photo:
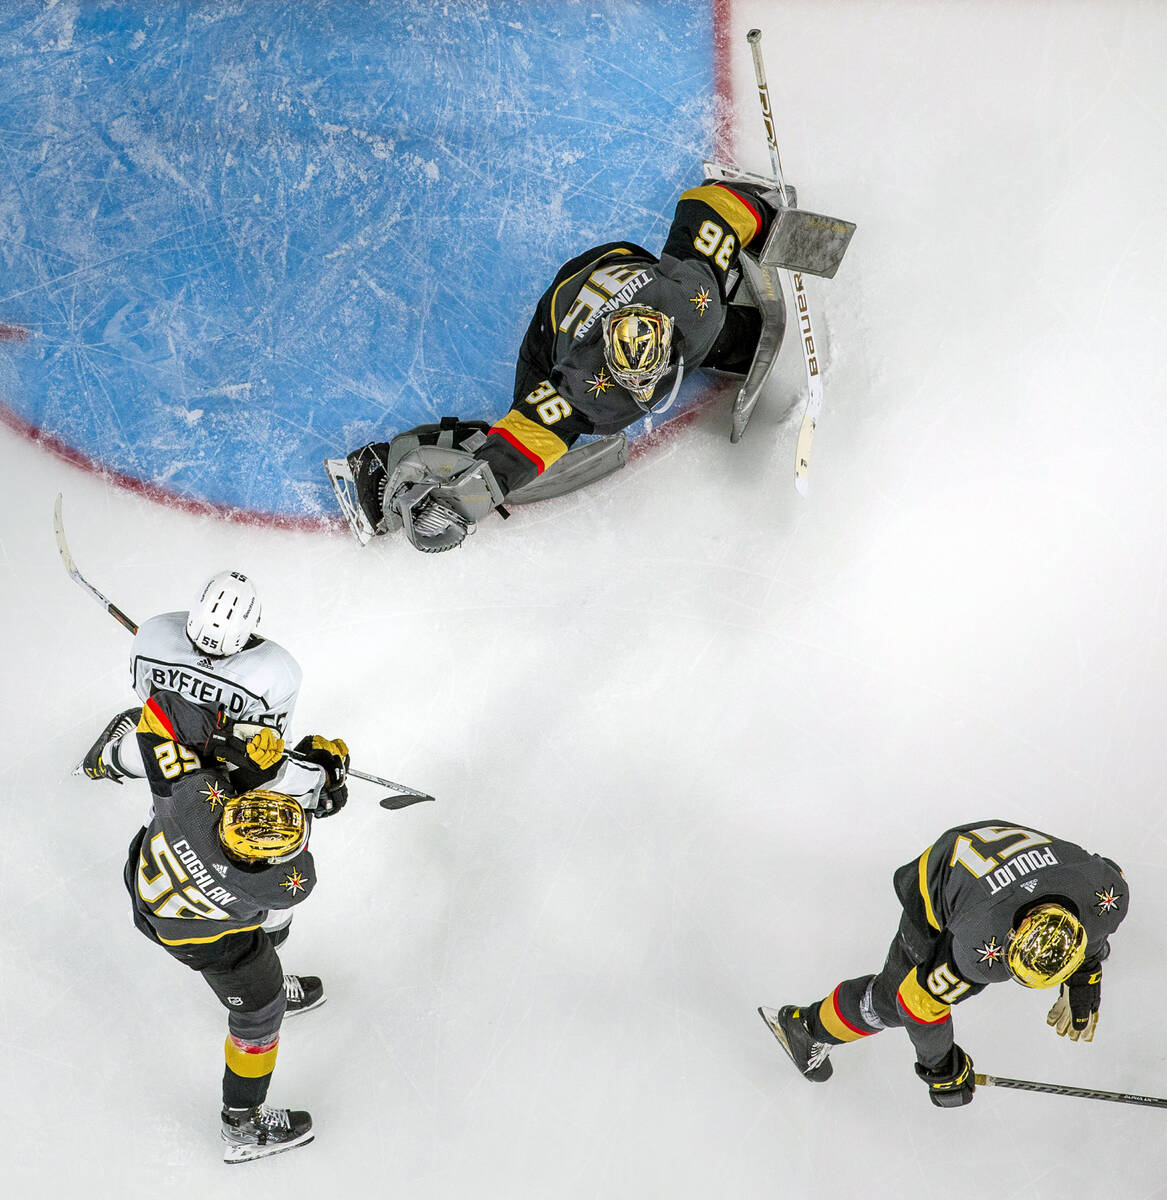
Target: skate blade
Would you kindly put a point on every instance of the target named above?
(344, 487)
(770, 1016)
(818, 1075)
(241, 1154)
(79, 769)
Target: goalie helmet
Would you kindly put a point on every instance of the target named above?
(1047, 947)
(226, 615)
(263, 827)
(637, 345)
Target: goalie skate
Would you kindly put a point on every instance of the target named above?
(340, 475)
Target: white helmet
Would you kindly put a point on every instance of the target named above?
(225, 616)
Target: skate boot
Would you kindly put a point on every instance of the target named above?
(358, 480)
(788, 1025)
(249, 1133)
(93, 764)
(303, 992)
(369, 477)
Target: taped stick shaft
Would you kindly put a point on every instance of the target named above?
(1059, 1089)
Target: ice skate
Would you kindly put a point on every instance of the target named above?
(359, 483)
(258, 1132)
(303, 992)
(93, 764)
(788, 1025)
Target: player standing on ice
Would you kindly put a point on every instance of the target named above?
(217, 854)
(214, 657)
(986, 902)
(610, 341)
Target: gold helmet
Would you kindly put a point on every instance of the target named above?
(263, 827)
(637, 342)
(1047, 947)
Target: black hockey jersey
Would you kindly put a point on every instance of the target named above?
(964, 895)
(562, 384)
(183, 884)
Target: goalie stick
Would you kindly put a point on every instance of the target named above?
(408, 795)
(806, 339)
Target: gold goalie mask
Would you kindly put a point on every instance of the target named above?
(263, 827)
(1047, 947)
(637, 343)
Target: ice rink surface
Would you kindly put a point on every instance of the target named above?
(682, 727)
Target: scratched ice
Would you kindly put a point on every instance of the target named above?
(682, 727)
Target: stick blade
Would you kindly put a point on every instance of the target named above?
(396, 802)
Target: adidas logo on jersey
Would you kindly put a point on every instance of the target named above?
(1029, 885)
(221, 869)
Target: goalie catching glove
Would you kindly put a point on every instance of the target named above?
(438, 496)
(1075, 1011)
(331, 754)
(426, 482)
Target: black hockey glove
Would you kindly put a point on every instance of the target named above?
(1075, 1011)
(333, 756)
(951, 1083)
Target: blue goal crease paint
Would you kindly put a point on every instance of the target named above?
(244, 238)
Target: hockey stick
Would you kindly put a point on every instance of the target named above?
(1058, 1089)
(78, 578)
(814, 383)
(409, 795)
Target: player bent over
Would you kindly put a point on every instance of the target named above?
(610, 341)
(217, 854)
(985, 902)
(214, 657)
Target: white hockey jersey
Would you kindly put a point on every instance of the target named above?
(258, 684)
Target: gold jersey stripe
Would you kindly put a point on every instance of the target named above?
(152, 721)
(921, 1005)
(729, 207)
(249, 1066)
(923, 871)
(834, 1024)
(533, 439)
(199, 941)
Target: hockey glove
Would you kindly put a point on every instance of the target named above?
(438, 495)
(256, 748)
(951, 1082)
(1075, 1011)
(265, 748)
(333, 756)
